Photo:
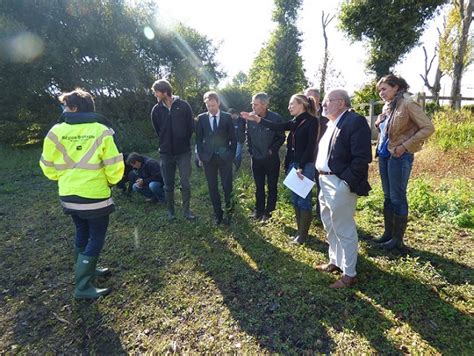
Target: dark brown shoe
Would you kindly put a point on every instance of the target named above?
(344, 282)
(329, 268)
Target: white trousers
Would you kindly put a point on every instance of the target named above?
(338, 206)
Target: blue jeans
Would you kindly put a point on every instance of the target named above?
(308, 171)
(394, 173)
(238, 155)
(169, 163)
(153, 190)
(90, 234)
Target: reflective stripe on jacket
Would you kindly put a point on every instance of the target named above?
(83, 158)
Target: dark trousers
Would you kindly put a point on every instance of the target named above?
(269, 169)
(169, 163)
(317, 208)
(90, 234)
(224, 168)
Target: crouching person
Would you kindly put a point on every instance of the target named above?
(149, 181)
(80, 154)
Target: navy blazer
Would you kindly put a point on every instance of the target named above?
(351, 152)
(223, 142)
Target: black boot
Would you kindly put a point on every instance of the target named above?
(305, 222)
(297, 217)
(84, 270)
(388, 227)
(399, 228)
(186, 195)
(170, 205)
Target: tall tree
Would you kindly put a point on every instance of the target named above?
(236, 95)
(456, 45)
(436, 86)
(392, 28)
(49, 46)
(278, 67)
(325, 21)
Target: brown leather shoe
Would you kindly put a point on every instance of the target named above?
(344, 282)
(328, 267)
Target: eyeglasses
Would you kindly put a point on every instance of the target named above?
(331, 100)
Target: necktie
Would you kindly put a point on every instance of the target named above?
(214, 124)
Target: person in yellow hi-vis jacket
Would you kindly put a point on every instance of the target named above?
(80, 153)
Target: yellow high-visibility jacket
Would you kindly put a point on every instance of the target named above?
(81, 155)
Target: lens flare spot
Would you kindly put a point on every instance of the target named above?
(149, 33)
(24, 47)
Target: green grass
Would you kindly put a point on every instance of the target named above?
(454, 129)
(195, 288)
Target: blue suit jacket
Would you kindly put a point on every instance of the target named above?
(351, 152)
(223, 142)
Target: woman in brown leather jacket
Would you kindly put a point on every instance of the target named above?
(403, 128)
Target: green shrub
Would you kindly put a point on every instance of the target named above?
(432, 108)
(136, 135)
(364, 96)
(451, 200)
(454, 129)
(372, 202)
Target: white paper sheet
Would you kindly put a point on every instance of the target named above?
(300, 187)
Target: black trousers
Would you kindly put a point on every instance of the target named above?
(217, 166)
(266, 169)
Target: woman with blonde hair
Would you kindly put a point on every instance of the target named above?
(301, 144)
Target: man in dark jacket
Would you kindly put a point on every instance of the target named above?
(216, 143)
(239, 126)
(264, 145)
(172, 119)
(148, 179)
(343, 164)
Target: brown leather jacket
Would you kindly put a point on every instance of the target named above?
(409, 127)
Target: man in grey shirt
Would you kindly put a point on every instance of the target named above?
(264, 145)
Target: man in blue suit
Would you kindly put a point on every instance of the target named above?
(216, 144)
(344, 154)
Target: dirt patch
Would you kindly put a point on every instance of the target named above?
(437, 164)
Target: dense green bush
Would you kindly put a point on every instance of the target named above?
(451, 201)
(136, 135)
(454, 129)
(364, 96)
(432, 108)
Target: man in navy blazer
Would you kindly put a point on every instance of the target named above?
(344, 154)
(216, 144)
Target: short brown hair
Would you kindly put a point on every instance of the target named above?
(211, 95)
(162, 86)
(79, 99)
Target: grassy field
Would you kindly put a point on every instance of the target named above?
(194, 288)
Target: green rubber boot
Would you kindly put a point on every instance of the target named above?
(99, 272)
(306, 217)
(399, 227)
(388, 227)
(297, 217)
(85, 267)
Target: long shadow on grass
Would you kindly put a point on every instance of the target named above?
(454, 272)
(283, 303)
(40, 308)
(442, 325)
